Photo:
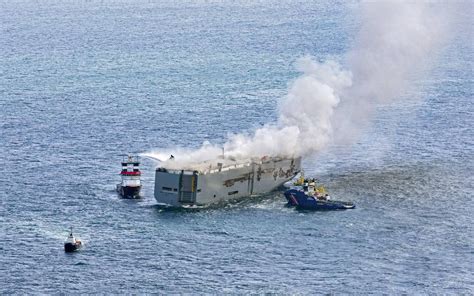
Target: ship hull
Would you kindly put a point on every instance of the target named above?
(129, 191)
(188, 188)
(70, 247)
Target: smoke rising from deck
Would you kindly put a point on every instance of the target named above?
(332, 104)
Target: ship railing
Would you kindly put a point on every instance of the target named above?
(130, 158)
(212, 170)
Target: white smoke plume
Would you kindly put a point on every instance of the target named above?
(330, 104)
(395, 45)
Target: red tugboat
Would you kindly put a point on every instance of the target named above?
(131, 184)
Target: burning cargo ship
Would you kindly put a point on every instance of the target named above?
(222, 180)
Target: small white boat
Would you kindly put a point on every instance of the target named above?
(72, 244)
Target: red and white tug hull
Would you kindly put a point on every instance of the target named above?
(131, 184)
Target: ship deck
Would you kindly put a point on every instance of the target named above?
(214, 166)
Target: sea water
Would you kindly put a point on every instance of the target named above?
(84, 82)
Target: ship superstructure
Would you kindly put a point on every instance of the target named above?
(222, 180)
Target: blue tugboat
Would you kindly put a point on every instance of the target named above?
(303, 201)
(306, 196)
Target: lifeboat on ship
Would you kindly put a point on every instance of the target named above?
(131, 184)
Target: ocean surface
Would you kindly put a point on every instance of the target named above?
(84, 82)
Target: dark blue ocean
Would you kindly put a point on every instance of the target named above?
(84, 82)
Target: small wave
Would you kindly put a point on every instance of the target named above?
(222, 232)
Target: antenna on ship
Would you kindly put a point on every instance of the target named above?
(222, 152)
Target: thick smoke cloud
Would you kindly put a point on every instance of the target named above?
(328, 103)
(395, 45)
